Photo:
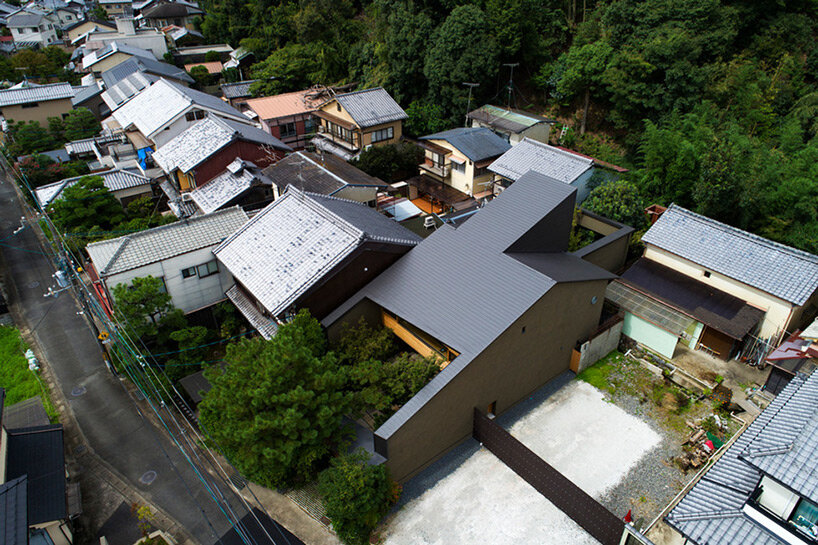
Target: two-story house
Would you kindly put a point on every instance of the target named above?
(117, 8)
(127, 33)
(114, 53)
(460, 158)
(288, 116)
(31, 102)
(163, 13)
(350, 122)
(83, 27)
(764, 489)
(512, 125)
(180, 254)
(33, 26)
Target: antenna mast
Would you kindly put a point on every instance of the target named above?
(468, 105)
(510, 81)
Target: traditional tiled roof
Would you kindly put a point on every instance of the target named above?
(279, 254)
(477, 144)
(371, 107)
(25, 414)
(152, 245)
(140, 64)
(35, 93)
(156, 106)
(507, 119)
(164, 10)
(239, 89)
(543, 159)
(114, 180)
(238, 178)
(14, 512)
(37, 453)
(86, 145)
(198, 142)
(283, 105)
(25, 18)
(781, 442)
(782, 271)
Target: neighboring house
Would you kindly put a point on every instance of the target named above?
(206, 148)
(163, 13)
(764, 489)
(499, 300)
(242, 183)
(126, 186)
(90, 97)
(88, 148)
(550, 161)
(350, 122)
(716, 288)
(124, 90)
(30, 25)
(198, 53)
(307, 251)
(36, 503)
(151, 66)
(66, 16)
(100, 60)
(212, 67)
(512, 125)
(288, 116)
(81, 28)
(181, 254)
(126, 33)
(236, 94)
(164, 110)
(460, 158)
(798, 354)
(181, 37)
(5, 11)
(30, 102)
(117, 8)
(324, 174)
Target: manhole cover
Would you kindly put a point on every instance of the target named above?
(78, 391)
(79, 449)
(33, 284)
(148, 477)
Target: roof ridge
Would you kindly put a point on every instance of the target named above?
(359, 91)
(795, 252)
(121, 248)
(317, 207)
(322, 167)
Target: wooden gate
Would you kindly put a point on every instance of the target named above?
(591, 515)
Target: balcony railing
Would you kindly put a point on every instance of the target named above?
(441, 171)
(324, 133)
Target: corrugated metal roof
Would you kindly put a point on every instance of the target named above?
(296, 240)
(25, 414)
(14, 512)
(478, 143)
(114, 180)
(223, 188)
(506, 119)
(265, 326)
(239, 89)
(37, 452)
(212, 67)
(787, 273)
(541, 158)
(711, 511)
(152, 245)
(283, 105)
(371, 107)
(324, 175)
(198, 142)
(35, 93)
(120, 93)
(119, 72)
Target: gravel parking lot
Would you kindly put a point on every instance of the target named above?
(592, 441)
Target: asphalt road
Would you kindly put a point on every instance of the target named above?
(106, 414)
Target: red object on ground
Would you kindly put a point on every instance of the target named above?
(709, 445)
(629, 517)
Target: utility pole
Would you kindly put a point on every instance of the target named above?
(510, 81)
(468, 105)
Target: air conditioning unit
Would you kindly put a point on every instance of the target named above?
(187, 197)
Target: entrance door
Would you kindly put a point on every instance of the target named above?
(715, 342)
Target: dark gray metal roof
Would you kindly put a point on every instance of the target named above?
(782, 271)
(325, 174)
(476, 143)
(533, 215)
(114, 75)
(375, 226)
(239, 89)
(371, 107)
(25, 414)
(195, 385)
(711, 511)
(37, 453)
(14, 512)
(86, 93)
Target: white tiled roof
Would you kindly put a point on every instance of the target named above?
(223, 188)
(787, 273)
(542, 159)
(114, 180)
(160, 243)
(35, 93)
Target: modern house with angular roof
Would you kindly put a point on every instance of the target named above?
(512, 125)
(499, 300)
(307, 251)
(350, 122)
(180, 253)
(323, 174)
(550, 161)
(460, 158)
(288, 116)
(716, 288)
(764, 488)
(205, 149)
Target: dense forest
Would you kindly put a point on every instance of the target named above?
(711, 104)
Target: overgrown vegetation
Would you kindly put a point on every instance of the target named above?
(391, 162)
(30, 137)
(16, 379)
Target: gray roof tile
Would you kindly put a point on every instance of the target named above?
(478, 143)
(139, 249)
(543, 159)
(35, 93)
(238, 178)
(114, 180)
(371, 107)
(151, 66)
(787, 273)
(239, 89)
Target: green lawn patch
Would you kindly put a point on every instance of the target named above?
(597, 374)
(19, 382)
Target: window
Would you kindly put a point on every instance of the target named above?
(287, 129)
(30, 105)
(163, 288)
(459, 167)
(707, 274)
(805, 517)
(309, 125)
(482, 171)
(195, 114)
(206, 269)
(338, 107)
(190, 271)
(383, 134)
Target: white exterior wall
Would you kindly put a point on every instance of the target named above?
(43, 35)
(778, 499)
(188, 294)
(155, 43)
(778, 312)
